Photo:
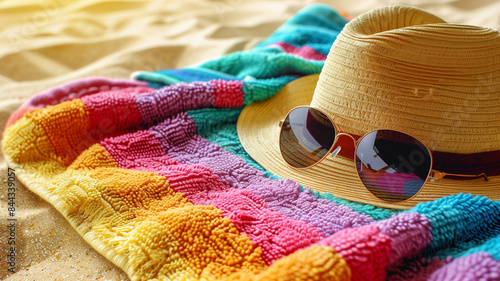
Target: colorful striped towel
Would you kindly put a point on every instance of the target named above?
(157, 181)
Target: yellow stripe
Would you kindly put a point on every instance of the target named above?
(26, 142)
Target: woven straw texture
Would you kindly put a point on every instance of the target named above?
(154, 178)
(405, 69)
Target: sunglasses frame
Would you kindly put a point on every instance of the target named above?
(432, 175)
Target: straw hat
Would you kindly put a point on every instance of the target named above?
(398, 68)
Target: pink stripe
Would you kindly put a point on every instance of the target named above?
(137, 151)
(365, 250)
(72, 90)
(227, 93)
(369, 250)
(276, 234)
(114, 112)
(305, 52)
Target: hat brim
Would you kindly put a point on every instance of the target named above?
(258, 130)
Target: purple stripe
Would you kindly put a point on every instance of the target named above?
(171, 100)
(476, 267)
(410, 234)
(283, 196)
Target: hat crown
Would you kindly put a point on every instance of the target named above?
(405, 69)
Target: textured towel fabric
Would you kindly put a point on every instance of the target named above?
(297, 48)
(157, 181)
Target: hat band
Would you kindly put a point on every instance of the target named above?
(454, 163)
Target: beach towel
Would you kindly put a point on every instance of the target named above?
(151, 173)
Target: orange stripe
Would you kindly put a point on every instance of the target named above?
(312, 263)
(66, 126)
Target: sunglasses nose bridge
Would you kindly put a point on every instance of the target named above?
(354, 140)
(342, 144)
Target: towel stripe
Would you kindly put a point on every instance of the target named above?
(199, 235)
(365, 249)
(265, 228)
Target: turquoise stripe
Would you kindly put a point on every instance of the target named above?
(460, 222)
(259, 90)
(316, 26)
(491, 247)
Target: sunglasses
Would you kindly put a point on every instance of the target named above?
(392, 165)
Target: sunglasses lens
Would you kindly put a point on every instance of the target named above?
(392, 165)
(306, 137)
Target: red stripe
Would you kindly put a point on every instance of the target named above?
(304, 52)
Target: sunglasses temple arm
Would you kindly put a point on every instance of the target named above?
(436, 175)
